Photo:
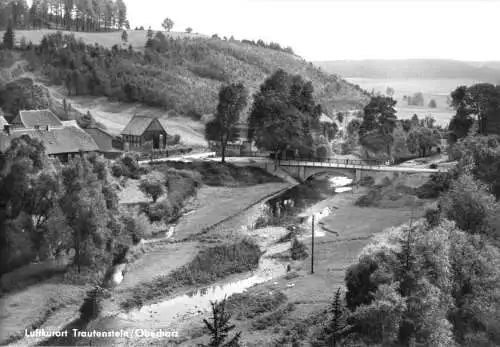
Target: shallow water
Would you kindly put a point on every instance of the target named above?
(170, 313)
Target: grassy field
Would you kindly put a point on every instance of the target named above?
(438, 89)
(35, 306)
(115, 116)
(214, 204)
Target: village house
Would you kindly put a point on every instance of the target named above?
(109, 145)
(36, 119)
(61, 140)
(142, 130)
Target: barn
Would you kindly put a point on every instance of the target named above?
(143, 129)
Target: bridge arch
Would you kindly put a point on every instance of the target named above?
(303, 173)
(310, 172)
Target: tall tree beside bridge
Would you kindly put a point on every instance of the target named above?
(379, 121)
(224, 127)
(283, 114)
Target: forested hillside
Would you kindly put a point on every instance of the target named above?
(181, 74)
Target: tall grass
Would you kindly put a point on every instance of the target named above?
(208, 266)
(216, 174)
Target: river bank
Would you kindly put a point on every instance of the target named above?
(309, 294)
(341, 233)
(340, 236)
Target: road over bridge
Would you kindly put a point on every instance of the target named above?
(355, 169)
(302, 169)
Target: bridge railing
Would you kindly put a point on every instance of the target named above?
(327, 162)
(315, 161)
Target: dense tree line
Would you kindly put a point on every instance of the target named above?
(434, 281)
(48, 208)
(271, 45)
(76, 15)
(118, 73)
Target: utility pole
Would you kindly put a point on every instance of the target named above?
(312, 247)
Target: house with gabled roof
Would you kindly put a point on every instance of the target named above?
(62, 140)
(33, 119)
(142, 129)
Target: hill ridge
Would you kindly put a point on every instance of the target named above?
(414, 68)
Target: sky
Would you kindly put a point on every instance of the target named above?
(336, 30)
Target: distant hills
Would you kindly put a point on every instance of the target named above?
(414, 68)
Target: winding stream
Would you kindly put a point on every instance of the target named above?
(173, 312)
(176, 313)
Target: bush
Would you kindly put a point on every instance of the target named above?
(261, 222)
(250, 306)
(273, 318)
(366, 181)
(435, 186)
(160, 211)
(432, 216)
(298, 249)
(136, 226)
(174, 140)
(322, 152)
(128, 166)
(117, 170)
(92, 305)
(371, 198)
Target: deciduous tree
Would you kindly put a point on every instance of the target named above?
(167, 24)
(224, 127)
(153, 185)
(283, 114)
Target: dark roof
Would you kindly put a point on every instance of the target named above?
(33, 118)
(102, 138)
(57, 140)
(138, 125)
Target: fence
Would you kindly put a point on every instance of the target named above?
(163, 153)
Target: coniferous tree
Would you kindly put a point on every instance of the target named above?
(124, 36)
(220, 327)
(9, 36)
(337, 327)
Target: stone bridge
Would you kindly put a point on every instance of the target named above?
(355, 170)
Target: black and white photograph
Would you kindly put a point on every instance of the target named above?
(250, 173)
